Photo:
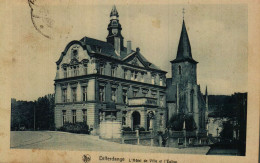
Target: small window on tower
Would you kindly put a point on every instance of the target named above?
(179, 70)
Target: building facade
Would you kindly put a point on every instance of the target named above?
(98, 81)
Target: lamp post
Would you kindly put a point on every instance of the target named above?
(34, 116)
(184, 128)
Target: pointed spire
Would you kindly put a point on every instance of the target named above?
(206, 91)
(184, 48)
(114, 12)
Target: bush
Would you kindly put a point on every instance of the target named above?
(78, 127)
(176, 122)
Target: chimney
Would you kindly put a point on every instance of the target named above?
(129, 49)
(137, 49)
(117, 45)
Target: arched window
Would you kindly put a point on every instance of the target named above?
(179, 68)
(191, 100)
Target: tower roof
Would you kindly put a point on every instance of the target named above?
(114, 12)
(184, 48)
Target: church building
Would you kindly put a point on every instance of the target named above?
(183, 92)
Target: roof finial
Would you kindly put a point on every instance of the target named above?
(183, 12)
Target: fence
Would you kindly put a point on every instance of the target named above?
(139, 137)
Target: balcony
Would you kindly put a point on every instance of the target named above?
(142, 101)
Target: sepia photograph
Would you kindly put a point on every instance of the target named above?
(130, 78)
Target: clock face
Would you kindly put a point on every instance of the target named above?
(114, 31)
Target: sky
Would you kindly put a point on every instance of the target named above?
(218, 35)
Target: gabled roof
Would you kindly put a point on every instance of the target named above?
(98, 47)
(184, 48)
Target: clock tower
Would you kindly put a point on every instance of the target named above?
(114, 31)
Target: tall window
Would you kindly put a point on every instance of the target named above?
(179, 68)
(65, 72)
(153, 79)
(84, 93)
(142, 77)
(161, 120)
(123, 121)
(74, 117)
(161, 81)
(125, 96)
(135, 75)
(161, 100)
(84, 114)
(113, 95)
(76, 70)
(64, 95)
(74, 94)
(191, 100)
(132, 75)
(101, 94)
(125, 74)
(113, 72)
(63, 117)
(101, 69)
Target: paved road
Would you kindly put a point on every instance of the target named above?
(69, 141)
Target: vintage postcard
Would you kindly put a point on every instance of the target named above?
(129, 81)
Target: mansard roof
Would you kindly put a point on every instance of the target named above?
(102, 48)
(184, 48)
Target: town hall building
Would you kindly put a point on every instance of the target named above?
(107, 80)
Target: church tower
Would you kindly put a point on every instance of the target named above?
(114, 31)
(184, 67)
(189, 100)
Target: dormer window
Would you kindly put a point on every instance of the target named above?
(74, 52)
(98, 49)
(65, 72)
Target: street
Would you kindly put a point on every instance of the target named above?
(69, 141)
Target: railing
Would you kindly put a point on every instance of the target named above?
(180, 134)
(142, 101)
(137, 136)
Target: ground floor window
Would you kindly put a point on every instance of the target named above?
(180, 141)
(63, 117)
(84, 113)
(74, 117)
